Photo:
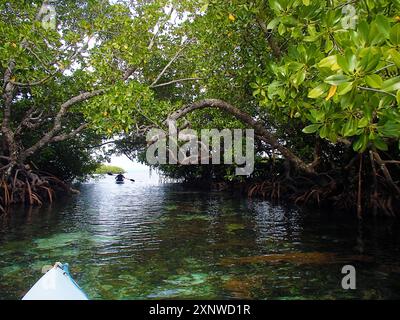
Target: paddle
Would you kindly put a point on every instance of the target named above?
(133, 180)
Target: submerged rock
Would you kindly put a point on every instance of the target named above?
(239, 289)
(296, 258)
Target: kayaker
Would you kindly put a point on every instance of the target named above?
(120, 177)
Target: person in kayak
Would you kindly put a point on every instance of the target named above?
(120, 177)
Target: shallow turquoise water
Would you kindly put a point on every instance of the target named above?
(141, 241)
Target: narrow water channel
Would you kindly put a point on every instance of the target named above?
(161, 241)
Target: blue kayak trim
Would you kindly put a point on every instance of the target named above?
(65, 267)
(56, 284)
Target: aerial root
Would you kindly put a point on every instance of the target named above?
(29, 187)
(266, 189)
(366, 191)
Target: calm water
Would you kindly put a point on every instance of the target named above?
(149, 241)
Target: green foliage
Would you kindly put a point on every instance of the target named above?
(343, 81)
(66, 161)
(301, 67)
(94, 44)
(298, 66)
(69, 160)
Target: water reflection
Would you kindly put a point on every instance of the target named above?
(143, 241)
(275, 223)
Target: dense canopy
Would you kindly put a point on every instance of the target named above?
(318, 80)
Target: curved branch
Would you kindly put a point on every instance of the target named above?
(69, 135)
(258, 127)
(29, 121)
(385, 171)
(176, 56)
(57, 120)
(34, 83)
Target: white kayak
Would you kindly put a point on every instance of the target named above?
(56, 284)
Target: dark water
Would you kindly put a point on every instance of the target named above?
(141, 241)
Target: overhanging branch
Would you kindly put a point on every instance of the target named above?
(258, 127)
(69, 135)
(176, 56)
(49, 136)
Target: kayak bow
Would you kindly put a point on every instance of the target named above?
(56, 284)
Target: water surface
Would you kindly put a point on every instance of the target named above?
(162, 241)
